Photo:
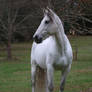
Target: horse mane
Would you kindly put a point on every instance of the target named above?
(58, 21)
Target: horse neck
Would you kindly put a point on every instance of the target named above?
(60, 39)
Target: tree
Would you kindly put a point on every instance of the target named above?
(11, 20)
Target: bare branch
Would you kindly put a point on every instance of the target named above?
(15, 16)
(23, 20)
(84, 18)
(3, 25)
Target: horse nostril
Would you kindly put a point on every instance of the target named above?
(36, 37)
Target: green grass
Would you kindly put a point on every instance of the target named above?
(15, 74)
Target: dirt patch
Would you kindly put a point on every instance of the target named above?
(84, 70)
(88, 90)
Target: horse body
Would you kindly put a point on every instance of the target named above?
(50, 50)
(49, 47)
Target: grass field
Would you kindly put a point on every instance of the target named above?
(15, 74)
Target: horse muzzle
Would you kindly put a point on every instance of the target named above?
(37, 39)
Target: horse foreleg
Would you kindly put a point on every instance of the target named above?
(64, 75)
(50, 72)
(33, 76)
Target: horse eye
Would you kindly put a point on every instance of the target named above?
(47, 22)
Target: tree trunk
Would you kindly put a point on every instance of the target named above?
(9, 52)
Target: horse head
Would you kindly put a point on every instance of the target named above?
(47, 27)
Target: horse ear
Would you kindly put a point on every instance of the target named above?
(50, 13)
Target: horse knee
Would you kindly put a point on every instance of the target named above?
(50, 87)
(33, 83)
(61, 88)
